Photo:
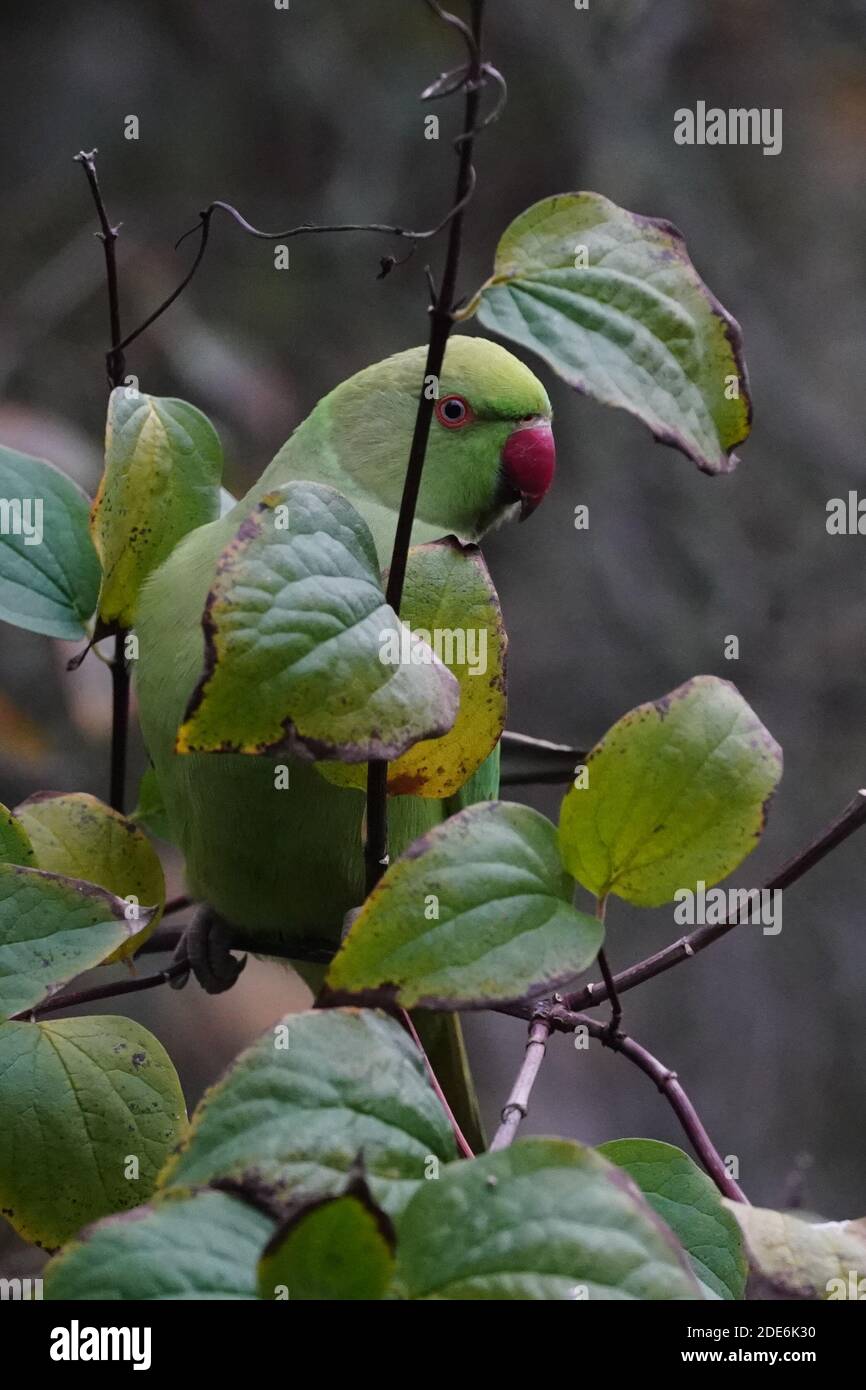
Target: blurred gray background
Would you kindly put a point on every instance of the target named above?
(313, 114)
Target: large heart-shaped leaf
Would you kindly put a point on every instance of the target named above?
(183, 1247)
(297, 1108)
(296, 625)
(676, 794)
(52, 929)
(449, 602)
(476, 912)
(163, 465)
(546, 1219)
(89, 1110)
(49, 570)
(792, 1258)
(611, 301)
(690, 1203)
(75, 834)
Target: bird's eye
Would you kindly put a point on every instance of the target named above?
(452, 412)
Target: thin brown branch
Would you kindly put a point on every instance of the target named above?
(563, 1020)
(316, 952)
(516, 1107)
(851, 819)
(387, 263)
(528, 761)
(115, 363)
(471, 35)
(107, 234)
(175, 905)
(204, 232)
(441, 322)
(319, 229)
(74, 999)
(119, 724)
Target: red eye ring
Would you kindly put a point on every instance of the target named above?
(453, 412)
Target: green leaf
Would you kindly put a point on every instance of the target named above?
(15, 847)
(478, 911)
(74, 834)
(690, 1203)
(294, 626)
(84, 1102)
(151, 811)
(52, 929)
(611, 301)
(163, 465)
(449, 601)
(333, 1248)
(295, 1110)
(677, 794)
(203, 1246)
(791, 1258)
(49, 586)
(546, 1219)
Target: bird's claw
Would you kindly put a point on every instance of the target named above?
(205, 948)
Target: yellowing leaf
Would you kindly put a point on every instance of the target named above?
(476, 912)
(792, 1258)
(77, 835)
(449, 602)
(53, 928)
(295, 624)
(163, 465)
(675, 793)
(15, 847)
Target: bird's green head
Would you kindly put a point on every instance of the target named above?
(490, 451)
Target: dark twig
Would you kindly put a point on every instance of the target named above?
(318, 229)
(119, 723)
(607, 975)
(109, 991)
(175, 905)
(165, 938)
(471, 34)
(203, 226)
(387, 263)
(204, 230)
(517, 1105)
(115, 363)
(851, 819)
(441, 322)
(376, 837)
(545, 762)
(528, 742)
(114, 360)
(563, 1020)
(315, 952)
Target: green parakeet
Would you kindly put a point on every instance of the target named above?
(288, 863)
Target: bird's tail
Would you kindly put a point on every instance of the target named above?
(442, 1039)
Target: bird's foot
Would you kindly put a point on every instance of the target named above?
(205, 949)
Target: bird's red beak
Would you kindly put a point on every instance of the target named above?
(528, 462)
